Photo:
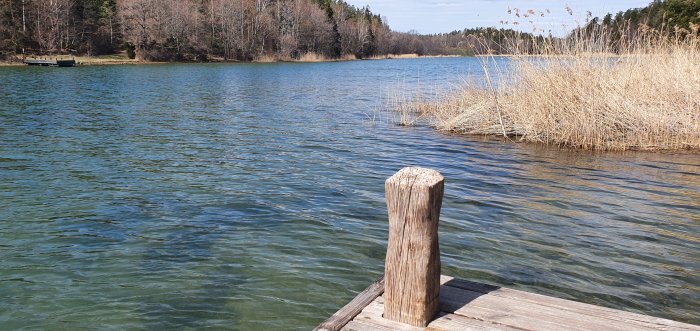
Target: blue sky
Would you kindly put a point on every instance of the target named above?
(434, 16)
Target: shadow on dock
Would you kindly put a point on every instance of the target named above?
(450, 303)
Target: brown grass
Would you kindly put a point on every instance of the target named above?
(347, 57)
(313, 57)
(120, 58)
(394, 56)
(306, 57)
(266, 59)
(10, 61)
(406, 56)
(576, 93)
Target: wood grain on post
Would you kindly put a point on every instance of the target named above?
(412, 269)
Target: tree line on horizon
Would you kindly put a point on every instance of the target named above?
(203, 30)
(677, 16)
(673, 18)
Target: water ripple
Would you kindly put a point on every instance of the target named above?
(193, 196)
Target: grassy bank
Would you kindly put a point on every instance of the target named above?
(121, 58)
(305, 58)
(315, 57)
(105, 59)
(579, 92)
(10, 61)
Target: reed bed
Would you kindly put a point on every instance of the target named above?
(313, 57)
(587, 91)
(305, 57)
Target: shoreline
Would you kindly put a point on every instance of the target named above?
(96, 61)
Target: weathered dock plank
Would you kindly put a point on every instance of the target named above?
(39, 62)
(50, 63)
(415, 297)
(497, 308)
(352, 309)
(563, 307)
(373, 315)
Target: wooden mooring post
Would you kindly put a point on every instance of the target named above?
(411, 282)
(412, 268)
(413, 296)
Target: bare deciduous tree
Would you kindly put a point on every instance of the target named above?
(197, 29)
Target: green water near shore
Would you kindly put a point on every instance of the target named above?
(250, 196)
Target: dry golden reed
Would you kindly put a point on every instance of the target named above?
(305, 57)
(643, 94)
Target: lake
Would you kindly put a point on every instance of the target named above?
(251, 197)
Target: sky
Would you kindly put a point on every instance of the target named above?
(435, 16)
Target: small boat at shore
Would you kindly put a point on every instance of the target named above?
(50, 63)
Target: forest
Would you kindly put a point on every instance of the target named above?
(677, 16)
(677, 19)
(205, 30)
(246, 30)
(197, 30)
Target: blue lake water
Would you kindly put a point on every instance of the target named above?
(250, 197)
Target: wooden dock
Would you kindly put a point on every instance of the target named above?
(50, 63)
(466, 305)
(412, 296)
